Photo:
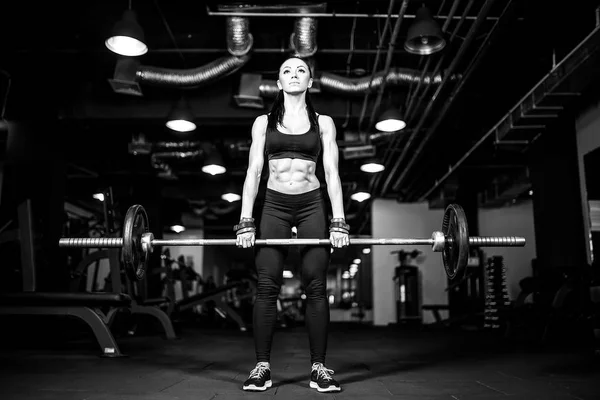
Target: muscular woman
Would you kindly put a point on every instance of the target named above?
(291, 138)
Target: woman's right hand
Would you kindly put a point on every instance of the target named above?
(245, 240)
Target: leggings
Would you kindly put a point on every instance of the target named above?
(280, 213)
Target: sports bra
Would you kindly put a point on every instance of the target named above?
(306, 146)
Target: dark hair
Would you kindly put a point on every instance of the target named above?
(275, 116)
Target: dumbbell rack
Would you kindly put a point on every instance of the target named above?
(496, 298)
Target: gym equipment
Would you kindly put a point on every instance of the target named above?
(453, 241)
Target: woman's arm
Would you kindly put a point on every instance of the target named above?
(330, 165)
(255, 166)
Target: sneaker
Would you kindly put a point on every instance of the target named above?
(320, 379)
(259, 379)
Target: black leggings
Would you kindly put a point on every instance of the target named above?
(306, 212)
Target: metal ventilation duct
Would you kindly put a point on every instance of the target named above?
(239, 44)
(304, 38)
(359, 86)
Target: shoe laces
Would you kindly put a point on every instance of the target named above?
(323, 372)
(259, 370)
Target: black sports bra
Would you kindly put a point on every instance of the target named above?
(306, 146)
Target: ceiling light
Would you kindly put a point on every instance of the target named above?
(390, 121)
(177, 228)
(214, 169)
(181, 118)
(213, 163)
(424, 36)
(127, 37)
(231, 197)
(181, 125)
(361, 192)
(360, 196)
(372, 167)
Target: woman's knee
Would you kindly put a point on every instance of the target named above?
(315, 288)
(268, 287)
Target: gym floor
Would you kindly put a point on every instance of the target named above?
(42, 362)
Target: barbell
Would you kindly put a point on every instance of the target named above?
(452, 241)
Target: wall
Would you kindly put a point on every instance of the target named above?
(392, 219)
(516, 220)
(588, 139)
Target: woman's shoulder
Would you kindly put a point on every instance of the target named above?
(324, 119)
(262, 120)
(260, 123)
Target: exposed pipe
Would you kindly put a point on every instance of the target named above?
(440, 115)
(390, 152)
(494, 130)
(490, 38)
(239, 44)
(304, 38)
(411, 100)
(374, 181)
(386, 27)
(322, 15)
(388, 60)
(204, 50)
(457, 58)
(455, 5)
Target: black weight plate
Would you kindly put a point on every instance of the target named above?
(456, 249)
(134, 256)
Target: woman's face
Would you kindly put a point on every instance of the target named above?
(294, 76)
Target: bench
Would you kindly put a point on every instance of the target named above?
(152, 307)
(85, 306)
(221, 305)
(435, 310)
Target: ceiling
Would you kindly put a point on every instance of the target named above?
(497, 51)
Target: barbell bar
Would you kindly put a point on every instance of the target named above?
(452, 241)
(479, 241)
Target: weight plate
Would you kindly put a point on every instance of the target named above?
(134, 256)
(456, 249)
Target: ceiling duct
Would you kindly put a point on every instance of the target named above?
(329, 82)
(304, 38)
(239, 44)
(274, 9)
(239, 38)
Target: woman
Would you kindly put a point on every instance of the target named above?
(292, 137)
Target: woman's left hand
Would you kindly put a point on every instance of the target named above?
(339, 240)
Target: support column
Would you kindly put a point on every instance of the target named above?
(36, 169)
(557, 206)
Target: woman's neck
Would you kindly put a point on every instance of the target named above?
(295, 105)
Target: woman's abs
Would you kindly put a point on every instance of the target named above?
(292, 176)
